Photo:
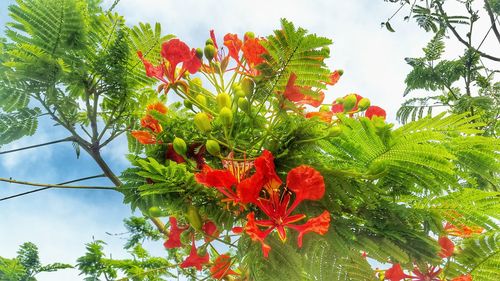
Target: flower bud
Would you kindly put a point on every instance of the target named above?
(324, 108)
(349, 102)
(335, 131)
(339, 100)
(193, 217)
(180, 146)
(209, 42)
(340, 71)
(155, 212)
(223, 100)
(209, 52)
(244, 105)
(197, 81)
(249, 35)
(226, 116)
(202, 100)
(247, 85)
(363, 104)
(202, 122)
(199, 53)
(213, 147)
(188, 104)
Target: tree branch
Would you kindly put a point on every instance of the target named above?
(459, 38)
(37, 145)
(492, 19)
(47, 187)
(57, 185)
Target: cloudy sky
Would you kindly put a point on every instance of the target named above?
(61, 221)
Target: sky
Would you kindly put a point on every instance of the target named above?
(61, 221)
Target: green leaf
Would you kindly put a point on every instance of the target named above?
(17, 124)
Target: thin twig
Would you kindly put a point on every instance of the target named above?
(492, 19)
(37, 145)
(57, 185)
(47, 187)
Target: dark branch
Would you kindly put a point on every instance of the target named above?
(492, 19)
(459, 38)
(47, 187)
(37, 145)
(57, 185)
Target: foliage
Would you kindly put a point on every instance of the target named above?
(26, 265)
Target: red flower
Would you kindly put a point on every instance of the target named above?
(306, 183)
(432, 274)
(210, 229)
(462, 230)
(152, 71)
(395, 273)
(447, 247)
(319, 224)
(233, 44)
(296, 93)
(325, 116)
(375, 111)
(334, 77)
(252, 230)
(195, 260)
(253, 51)
(150, 123)
(233, 181)
(467, 277)
(174, 237)
(221, 267)
(144, 137)
(158, 106)
(174, 52)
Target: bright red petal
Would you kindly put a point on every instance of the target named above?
(375, 111)
(195, 260)
(175, 51)
(174, 237)
(144, 137)
(210, 229)
(249, 189)
(319, 224)
(395, 273)
(151, 70)
(193, 64)
(252, 230)
(264, 165)
(325, 116)
(221, 267)
(447, 247)
(467, 277)
(296, 93)
(337, 108)
(334, 78)
(149, 122)
(158, 106)
(233, 44)
(306, 182)
(253, 51)
(215, 178)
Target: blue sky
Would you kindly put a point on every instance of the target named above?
(61, 221)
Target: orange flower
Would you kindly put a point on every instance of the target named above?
(302, 95)
(150, 123)
(335, 77)
(221, 267)
(463, 231)
(253, 51)
(144, 137)
(325, 116)
(447, 247)
(233, 44)
(158, 106)
(467, 277)
(395, 273)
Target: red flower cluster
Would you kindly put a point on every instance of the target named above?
(370, 111)
(173, 53)
(150, 123)
(238, 186)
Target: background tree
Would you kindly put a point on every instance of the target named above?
(463, 84)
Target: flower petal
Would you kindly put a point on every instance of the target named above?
(215, 178)
(252, 230)
(319, 224)
(447, 247)
(175, 51)
(195, 260)
(233, 44)
(174, 237)
(306, 182)
(151, 70)
(375, 111)
(144, 137)
(395, 273)
(221, 267)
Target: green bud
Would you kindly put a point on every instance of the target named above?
(193, 217)
(180, 146)
(202, 122)
(202, 100)
(209, 42)
(339, 100)
(155, 212)
(363, 104)
(244, 105)
(324, 108)
(340, 71)
(188, 104)
(199, 53)
(213, 147)
(226, 116)
(249, 34)
(247, 85)
(223, 100)
(209, 52)
(197, 81)
(349, 102)
(335, 131)
(238, 91)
